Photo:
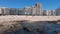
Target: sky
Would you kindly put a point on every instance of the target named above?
(46, 4)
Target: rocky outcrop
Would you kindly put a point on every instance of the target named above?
(10, 27)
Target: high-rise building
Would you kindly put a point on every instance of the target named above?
(33, 10)
(38, 9)
(57, 12)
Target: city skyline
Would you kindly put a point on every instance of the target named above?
(46, 4)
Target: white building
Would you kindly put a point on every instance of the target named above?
(4, 11)
(11, 11)
(28, 10)
(0, 10)
(49, 12)
(33, 10)
(38, 9)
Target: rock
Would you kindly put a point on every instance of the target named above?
(28, 29)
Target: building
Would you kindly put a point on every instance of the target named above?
(38, 9)
(28, 10)
(57, 12)
(33, 10)
(49, 12)
(20, 12)
(4, 11)
(0, 11)
(53, 13)
(16, 11)
(11, 11)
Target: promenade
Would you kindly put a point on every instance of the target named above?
(29, 18)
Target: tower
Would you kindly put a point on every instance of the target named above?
(38, 9)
